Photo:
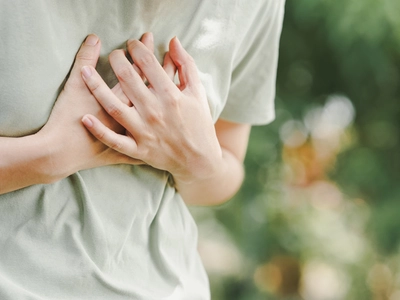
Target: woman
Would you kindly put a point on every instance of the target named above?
(88, 212)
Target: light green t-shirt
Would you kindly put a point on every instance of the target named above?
(119, 232)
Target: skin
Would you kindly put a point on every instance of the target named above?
(130, 124)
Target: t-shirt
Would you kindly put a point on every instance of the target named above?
(119, 232)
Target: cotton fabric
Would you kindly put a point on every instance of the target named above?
(119, 232)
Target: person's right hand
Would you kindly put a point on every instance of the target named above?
(70, 146)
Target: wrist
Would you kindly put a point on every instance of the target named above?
(201, 170)
(215, 188)
(46, 159)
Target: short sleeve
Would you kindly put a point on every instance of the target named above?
(252, 91)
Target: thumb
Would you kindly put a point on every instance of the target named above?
(88, 55)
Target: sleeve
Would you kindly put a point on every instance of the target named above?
(252, 91)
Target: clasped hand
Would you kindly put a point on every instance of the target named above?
(168, 126)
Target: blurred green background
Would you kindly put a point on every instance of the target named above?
(318, 216)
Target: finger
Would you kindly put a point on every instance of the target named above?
(119, 158)
(169, 66)
(124, 159)
(150, 67)
(119, 111)
(131, 82)
(133, 65)
(87, 55)
(140, 73)
(117, 90)
(121, 143)
(187, 69)
(148, 40)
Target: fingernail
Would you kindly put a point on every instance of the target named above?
(86, 72)
(91, 40)
(87, 121)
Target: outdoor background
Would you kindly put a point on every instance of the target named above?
(318, 217)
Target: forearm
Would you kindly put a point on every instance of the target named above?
(217, 188)
(23, 162)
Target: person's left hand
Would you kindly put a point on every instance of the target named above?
(167, 126)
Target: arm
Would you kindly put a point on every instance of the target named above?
(63, 146)
(170, 127)
(23, 162)
(221, 186)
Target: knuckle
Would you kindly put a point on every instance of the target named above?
(173, 101)
(84, 55)
(100, 135)
(94, 86)
(146, 59)
(154, 117)
(114, 111)
(116, 146)
(169, 90)
(125, 73)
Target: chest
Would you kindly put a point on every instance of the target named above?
(42, 39)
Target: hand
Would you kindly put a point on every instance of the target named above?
(70, 147)
(168, 127)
